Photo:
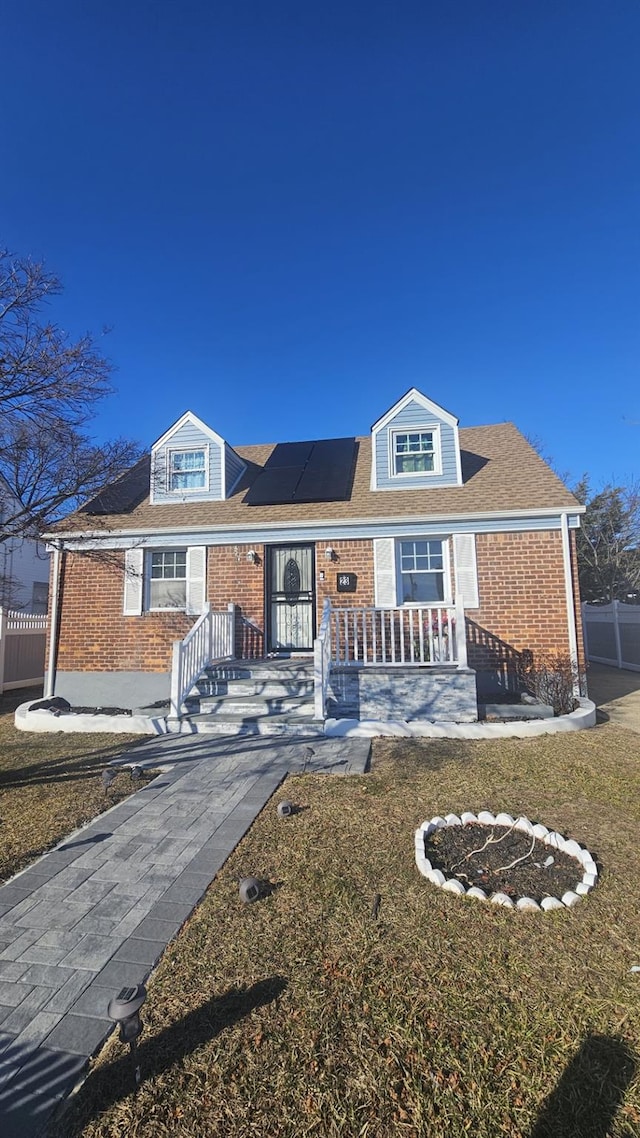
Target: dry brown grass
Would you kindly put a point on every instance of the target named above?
(304, 1015)
(50, 785)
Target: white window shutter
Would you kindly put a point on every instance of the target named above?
(384, 563)
(196, 579)
(133, 581)
(464, 557)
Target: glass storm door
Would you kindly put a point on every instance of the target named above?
(290, 598)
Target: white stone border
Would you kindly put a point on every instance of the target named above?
(549, 838)
(44, 721)
(584, 716)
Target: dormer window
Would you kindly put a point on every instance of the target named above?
(415, 446)
(187, 470)
(415, 452)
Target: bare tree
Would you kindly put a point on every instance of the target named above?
(608, 542)
(50, 387)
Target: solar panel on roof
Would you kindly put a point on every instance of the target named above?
(318, 471)
(277, 485)
(124, 494)
(327, 476)
(290, 454)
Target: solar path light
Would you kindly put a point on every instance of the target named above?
(249, 889)
(285, 809)
(136, 774)
(124, 1009)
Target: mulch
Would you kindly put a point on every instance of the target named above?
(485, 855)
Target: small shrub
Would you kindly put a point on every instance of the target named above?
(553, 679)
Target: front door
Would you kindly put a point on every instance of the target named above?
(290, 597)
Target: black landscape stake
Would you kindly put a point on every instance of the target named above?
(124, 1009)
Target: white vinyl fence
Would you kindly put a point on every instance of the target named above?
(23, 638)
(612, 634)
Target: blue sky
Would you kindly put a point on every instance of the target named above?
(291, 212)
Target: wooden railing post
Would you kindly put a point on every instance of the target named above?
(231, 608)
(322, 662)
(318, 680)
(175, 701)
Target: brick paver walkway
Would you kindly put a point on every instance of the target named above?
(97, 912)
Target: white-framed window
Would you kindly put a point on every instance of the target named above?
(415, 452)
(423, 577)
(187, 470)
(166, 579)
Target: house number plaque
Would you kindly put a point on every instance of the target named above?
(347, 582)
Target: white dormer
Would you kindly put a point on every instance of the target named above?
(415, 446)
(192, 463)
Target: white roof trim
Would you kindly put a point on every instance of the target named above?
(413, 395)
(446, 520)
(188, 417)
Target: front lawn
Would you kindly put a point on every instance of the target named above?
(50, 784)
(358, 1000)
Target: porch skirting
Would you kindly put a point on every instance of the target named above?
(113, 689)
(432, 693)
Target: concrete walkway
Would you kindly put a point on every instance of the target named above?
(616, 692)
(96, 913)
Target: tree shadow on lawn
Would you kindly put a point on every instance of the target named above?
(404, 757)
(65, 768)
(107, 1085)
(585, 1101)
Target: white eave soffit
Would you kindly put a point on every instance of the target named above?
(413, 395)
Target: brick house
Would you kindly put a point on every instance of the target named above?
(420, 554)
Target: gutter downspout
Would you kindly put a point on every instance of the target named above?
(53, 622)
(571, 614)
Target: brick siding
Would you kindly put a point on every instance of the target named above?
(350, 557)
(520, 578)
(94, 634)
(522, 599)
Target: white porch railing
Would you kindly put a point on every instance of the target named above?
(210, 639)
(420, 635)
(322, 661)
(22, 648)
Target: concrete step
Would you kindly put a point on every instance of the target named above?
(299, 726)
(255, 686)
(254, 697)
(279, 671)
(256, 706)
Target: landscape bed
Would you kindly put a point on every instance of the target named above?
(499, 861)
